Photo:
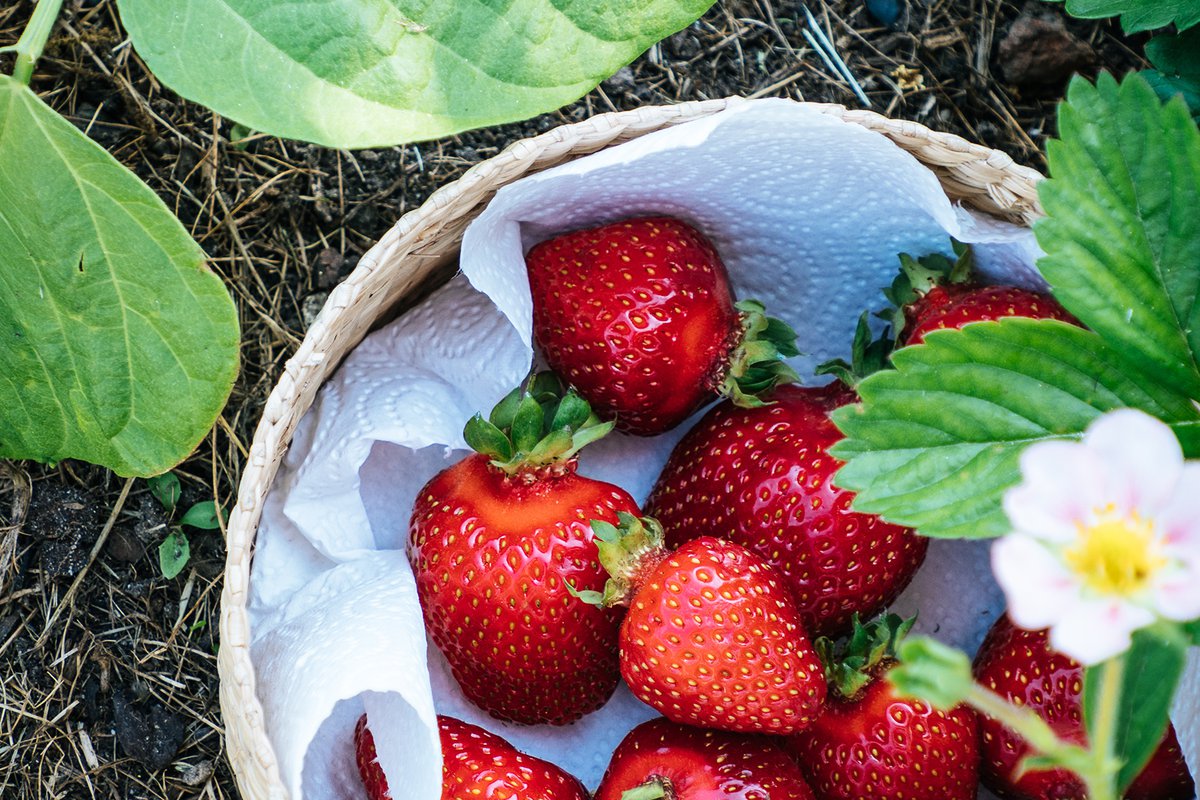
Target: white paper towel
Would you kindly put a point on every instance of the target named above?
(808, 212)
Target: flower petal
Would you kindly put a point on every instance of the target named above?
(1177, 592)
(1091, 631)
(1141, 456)
(1059, 489)
(1179, 518)
(1035, 583)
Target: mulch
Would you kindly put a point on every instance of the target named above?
(109, 683)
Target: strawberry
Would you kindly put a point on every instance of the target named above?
(711, 637)
(661, 759)
(639, 317)
(986, 303)
(763, 478)
(871, 743)
(1020, 666)
(475, 763)
(933, 292)
(494, 541)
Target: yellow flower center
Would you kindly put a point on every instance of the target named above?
(1116, 555)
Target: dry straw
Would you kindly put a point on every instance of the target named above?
(408, 256)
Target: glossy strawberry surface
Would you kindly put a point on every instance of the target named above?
(879, 746)
(763, 478)
(475, 764)
(1020, 666)
(696, 764)
(493, 555)
(637, 315)
(954, 307)
(713, 639)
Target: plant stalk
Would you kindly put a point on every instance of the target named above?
(33, 39)
(1095, 766)
(1102, 782)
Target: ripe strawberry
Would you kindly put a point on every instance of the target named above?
(494, 541)
(1020, 666)
(986, 303)
(871, 743)
(475, 763)
(638, 316)
(711, 637)
(933, 292)
(661, 759)
(763, 478)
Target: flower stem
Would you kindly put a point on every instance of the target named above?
(1101, 782)
(1094, 766)
(33, 39)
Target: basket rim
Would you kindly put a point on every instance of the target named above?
(981, 176)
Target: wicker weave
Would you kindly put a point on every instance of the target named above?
(409, 253)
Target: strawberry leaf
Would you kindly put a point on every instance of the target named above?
(1139, 15)
(1152, 668)
(934, 443)
(1124, 225)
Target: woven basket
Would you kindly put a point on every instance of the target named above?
(409, 254)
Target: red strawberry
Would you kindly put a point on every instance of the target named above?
(763, 478)
(985, 303)
(933, 292)
(871, 743)
(1020, 666)
(475, 763)
(638, 316)
(661, 759)
(496, 538)
(711, 637)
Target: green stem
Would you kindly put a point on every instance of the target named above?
(1095, 767)
(654, 789)
(1102, 783)
(33, 39)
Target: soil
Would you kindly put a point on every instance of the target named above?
(109, 671)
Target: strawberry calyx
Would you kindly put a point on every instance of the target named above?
(869, 651)
(756, 362)
(919, 277)
(867, 355)
(657, 788)
(537, 429)
(628, 550)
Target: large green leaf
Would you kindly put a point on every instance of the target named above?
(935, 442)
(1151, 671)
(1139, 15)
(362, 73)
(117, 345)
(1124, 224)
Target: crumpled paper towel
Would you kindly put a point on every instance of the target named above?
(808, 212)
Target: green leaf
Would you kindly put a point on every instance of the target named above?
(527, 425)
(572, 412)
(484, 437)
(935, 442)
(1152, 668)
(1177, 67)
(365, 73)
(1192, 631)
(202, 515)
(1124, 225)
(1139, 15)
(933, 672)
(117, 345)
(165, 489)
(173, 553)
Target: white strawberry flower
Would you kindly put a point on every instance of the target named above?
(1106, 536)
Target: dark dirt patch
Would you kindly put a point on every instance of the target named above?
(97, 658)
